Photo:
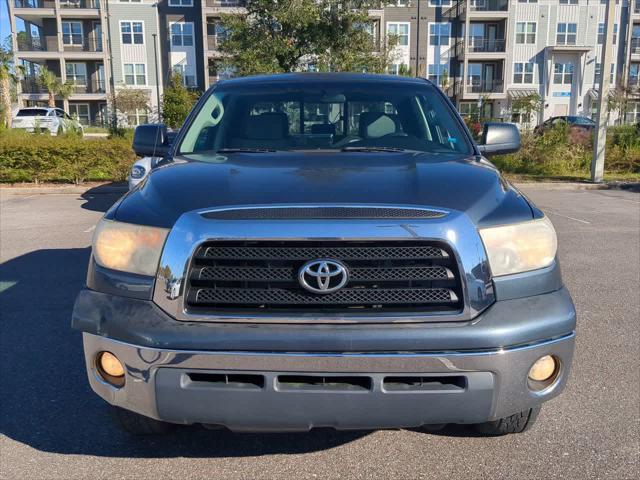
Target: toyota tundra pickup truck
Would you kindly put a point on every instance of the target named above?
(325, 250)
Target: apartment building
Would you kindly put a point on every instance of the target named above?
(66, 37)
(134, 45)
(484, 53)
(631, 73)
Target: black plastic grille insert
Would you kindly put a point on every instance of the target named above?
(254, 276)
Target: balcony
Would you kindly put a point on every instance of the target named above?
(489, 6)
(83, 45)
(486, 45)
(37, 44)
(95, 86)
(82, 4)
(634, 46)
(31, 85)
(225, 3)
(212, 42)
(34, 3)
(478, 85)
(479, 9)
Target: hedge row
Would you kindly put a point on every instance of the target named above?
(27, 157)
(563, 151)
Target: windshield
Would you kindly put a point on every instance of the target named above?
(359, 116)
(32, 112)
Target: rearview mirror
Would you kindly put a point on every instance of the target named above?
(151, 140)
(499, 139)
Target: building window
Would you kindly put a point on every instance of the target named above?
(598, 72)
(523, 72)
(601, 33)
(439, 33)
(394, 68)
(568, 2)
(439, 3)
(566, 33)
(400, 30)
(138, 117)
(135, 74)
(527, 1)
(72, 33)
(188, 78)
(181, 34)
(437, 72)
(181, 3)
(76, 73)
(80, 111)
(400, 3)
(634, 75)
(633, 113)
(563, 73)
(129, 1)
(526, 32)
(132, 33)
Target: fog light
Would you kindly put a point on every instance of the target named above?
(110, 368)
(544, 368)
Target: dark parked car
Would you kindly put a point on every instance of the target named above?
(325, 250)
(579, 123)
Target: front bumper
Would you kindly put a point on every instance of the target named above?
(258, 391)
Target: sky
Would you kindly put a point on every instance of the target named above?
(5, 29)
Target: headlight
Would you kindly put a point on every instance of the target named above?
(137, 171)
(520, 247)
(127, 247)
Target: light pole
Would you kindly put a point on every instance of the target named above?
(600, 137)
(155, 58)
(417, 74)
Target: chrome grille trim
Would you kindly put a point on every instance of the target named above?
(192, 231)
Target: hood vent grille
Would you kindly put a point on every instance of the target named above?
(323, 212)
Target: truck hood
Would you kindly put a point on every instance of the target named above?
(446, 181)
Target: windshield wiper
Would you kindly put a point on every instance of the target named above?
(245, 150)
(372, 149)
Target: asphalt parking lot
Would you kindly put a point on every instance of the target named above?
(53, 426)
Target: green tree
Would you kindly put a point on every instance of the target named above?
(286, 35)
(54, 85)
(9, 76)
(526, 106)
(177, 102)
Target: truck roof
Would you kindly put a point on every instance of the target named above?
(334, 77)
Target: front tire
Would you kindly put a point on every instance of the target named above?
(516, 423)
(138, 425)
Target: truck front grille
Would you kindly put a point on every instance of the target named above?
(235, 277)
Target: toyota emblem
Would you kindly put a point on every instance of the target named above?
(323, 276)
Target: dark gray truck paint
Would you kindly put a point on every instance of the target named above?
(532, 314)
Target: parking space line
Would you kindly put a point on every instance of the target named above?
(566, 216)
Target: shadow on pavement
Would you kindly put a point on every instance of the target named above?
(46, 399)
(100, 198)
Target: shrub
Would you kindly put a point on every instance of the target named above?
(567, 151)
(42, 158)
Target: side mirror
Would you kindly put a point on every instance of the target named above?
(151, 140)
(499, 139)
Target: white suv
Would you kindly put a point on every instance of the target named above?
(55, 120)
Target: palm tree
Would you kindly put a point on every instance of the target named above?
(7, 76)
(48, 80)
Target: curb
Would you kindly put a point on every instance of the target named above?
(629, 186)
(94, 189)
(121, 188)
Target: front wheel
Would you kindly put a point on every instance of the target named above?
(136, 424)
(516, 423)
